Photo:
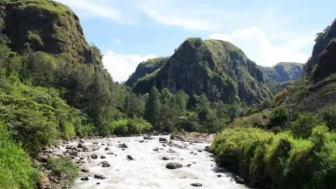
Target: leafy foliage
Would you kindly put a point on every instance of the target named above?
(15, 168)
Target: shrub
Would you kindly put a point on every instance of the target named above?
(328, 115)
(278, 118)
(303, 125)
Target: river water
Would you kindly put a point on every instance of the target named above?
(148, 170)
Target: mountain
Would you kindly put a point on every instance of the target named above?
(217, 68)
(281, 75)
(283, 71)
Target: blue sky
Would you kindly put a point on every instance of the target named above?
(268, 31)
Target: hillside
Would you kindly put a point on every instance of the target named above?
(217, 68)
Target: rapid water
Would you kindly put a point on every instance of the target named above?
(148, 170)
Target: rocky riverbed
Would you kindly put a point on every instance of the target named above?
(145, 162)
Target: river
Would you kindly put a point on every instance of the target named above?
(148, 170)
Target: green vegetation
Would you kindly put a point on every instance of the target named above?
(64, 168)
(282, 75)
(216, 68)
(15, 166)
(300, 156)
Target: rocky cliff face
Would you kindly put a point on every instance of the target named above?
(323, 40)
(283, 71)
(47, 26)
(217, 68)
(326, 62)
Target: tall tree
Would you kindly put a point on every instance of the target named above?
(153, 108)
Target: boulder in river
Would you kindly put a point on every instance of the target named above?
(173, 165)
(99, 176)
(171, 151)
(102, 157)
(165, 158)
(239, 180)
(105, 164)
(85, 178)
(163, 140)
(107, 148)
(130, 158)
(80, 145)
(196, 184)
(156, 149)
(84, 170)
(123, 145)
(141, 141)
(147, 138)
(94, 156)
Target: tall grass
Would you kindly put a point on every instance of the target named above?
(16, 171)
(279, 160)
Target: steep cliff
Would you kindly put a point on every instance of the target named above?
(323, 39)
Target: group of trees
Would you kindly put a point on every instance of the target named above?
(179, 112)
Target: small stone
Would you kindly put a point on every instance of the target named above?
(102, 157)
(156, 149)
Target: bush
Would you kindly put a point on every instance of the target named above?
(328, 115)
(278, 118)
(303, 125)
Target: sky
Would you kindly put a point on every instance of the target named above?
(268, 31)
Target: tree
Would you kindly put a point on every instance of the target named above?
(153, 108)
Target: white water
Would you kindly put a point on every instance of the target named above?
(149, 171)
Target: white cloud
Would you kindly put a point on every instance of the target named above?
(259, 48)
(116, 41)
(121, 66)
(189, 23)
